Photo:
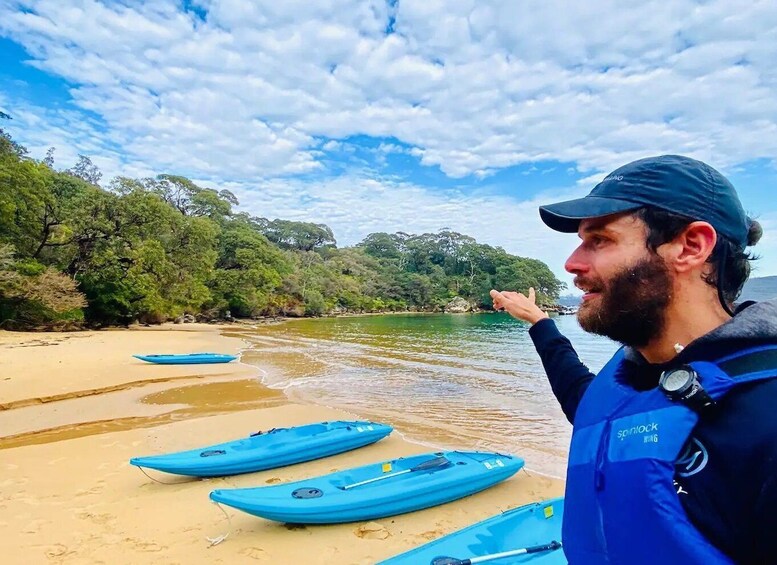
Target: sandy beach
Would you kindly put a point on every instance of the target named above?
(75, 407)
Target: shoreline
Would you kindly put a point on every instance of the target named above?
(77, 500)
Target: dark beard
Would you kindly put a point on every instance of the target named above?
(633, 304)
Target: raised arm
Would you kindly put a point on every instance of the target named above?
(568, 376)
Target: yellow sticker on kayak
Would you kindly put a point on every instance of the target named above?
(386, 467)
(548, 512)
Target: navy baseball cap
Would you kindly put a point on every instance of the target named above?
(673, 183)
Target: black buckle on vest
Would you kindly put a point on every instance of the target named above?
(682, 385)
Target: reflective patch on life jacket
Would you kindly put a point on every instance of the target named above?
(692, 460)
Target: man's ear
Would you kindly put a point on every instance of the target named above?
(691, 248)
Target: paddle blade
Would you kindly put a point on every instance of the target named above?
(449, 561)
(444, 560)
(552, 546)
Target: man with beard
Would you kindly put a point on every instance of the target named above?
(674, 448)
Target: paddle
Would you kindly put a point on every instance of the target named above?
(552, 546)
(428, 465)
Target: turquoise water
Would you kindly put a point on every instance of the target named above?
(455, 381)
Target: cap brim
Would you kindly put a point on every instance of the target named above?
(566, 216)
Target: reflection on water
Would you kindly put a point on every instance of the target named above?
(463, 381)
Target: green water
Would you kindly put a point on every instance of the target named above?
(456, 381)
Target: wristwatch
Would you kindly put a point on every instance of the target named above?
(682, 385)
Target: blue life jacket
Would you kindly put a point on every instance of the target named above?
(622, 506)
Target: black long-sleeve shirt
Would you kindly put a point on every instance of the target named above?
(732, 499)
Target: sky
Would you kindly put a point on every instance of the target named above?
(400, 115)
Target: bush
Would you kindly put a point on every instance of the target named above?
(315, 305)
(34, 296)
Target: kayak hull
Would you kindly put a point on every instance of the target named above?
(538, 523)
(187, 358)
(404, 491)
(268, 450)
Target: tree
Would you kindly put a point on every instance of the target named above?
(7, 145)
(303, 236)
(315, 305)
(72, 204)
(123, 284)
(523, 272)
(383, 245)
(190, 199)
(124, 186)
(151, 262)
(84, 169)
(25, 194)
(49, 159)
(11, 282)
(248, 272)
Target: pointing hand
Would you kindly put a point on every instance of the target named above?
(518, 305)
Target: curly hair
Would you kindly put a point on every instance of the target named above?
(731, 263)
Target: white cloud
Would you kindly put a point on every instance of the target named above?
(254, 93)
(332, 146)
(475, 85)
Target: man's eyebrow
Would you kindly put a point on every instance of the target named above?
(602, 227)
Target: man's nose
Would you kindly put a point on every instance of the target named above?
(577, 264)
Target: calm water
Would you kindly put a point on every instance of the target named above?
(459, 381)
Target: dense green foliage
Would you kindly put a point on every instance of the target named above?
(152, 249)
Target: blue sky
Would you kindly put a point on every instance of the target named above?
(409, 115)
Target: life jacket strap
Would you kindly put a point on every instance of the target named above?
(752, 362)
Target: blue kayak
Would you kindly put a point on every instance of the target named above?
(267, 450)
(374, 491)
(186, 358)
(536, 524)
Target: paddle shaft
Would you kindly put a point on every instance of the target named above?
(552, 546)
(426, 465)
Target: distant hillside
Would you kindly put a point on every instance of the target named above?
(760, 288)
(569, 300)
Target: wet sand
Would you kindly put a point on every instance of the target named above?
(74, 408)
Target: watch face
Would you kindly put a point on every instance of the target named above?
(675, 380)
